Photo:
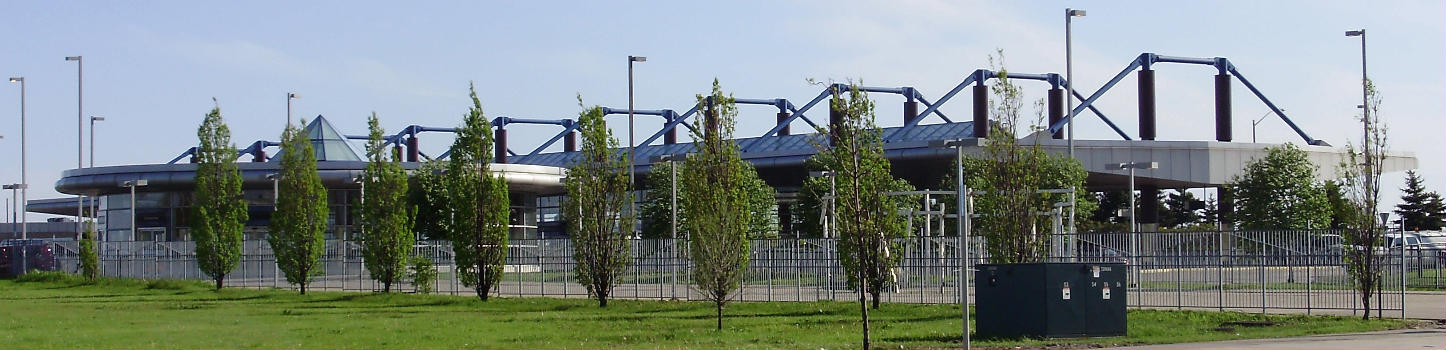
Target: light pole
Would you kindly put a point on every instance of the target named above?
(1134, 235)
(275, 188)
(79, 134)
(132, 184)
(24, 229)
(20, 220)
(1256, 122)
(93, 119)
(1069, 15)
(290, 96)
(963, 221)
(672, 160)
(632, 145)
(1365, 112)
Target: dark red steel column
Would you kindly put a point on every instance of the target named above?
(1056, 110)
(1147, 104)
(1222, 108)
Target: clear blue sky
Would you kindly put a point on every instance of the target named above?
(152, 68)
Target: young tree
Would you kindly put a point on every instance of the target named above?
(867, 218)
(1279, 192)
(1362, 186)
(478, 223)
(89, 257)
(427, 193)
(219, 213)
(597, 208)
(716, 207)
(1340, 208)
(298, 226)
(1011, 175)
(808, 211)
(1420, 210)
(386, 217)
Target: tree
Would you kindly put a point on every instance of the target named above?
(1340, 208)
(1361, 183)
(1011, 175)
(867, 217)
(716, 207)
(1181, 209)
(298, 226)
(1280, 192)
(808, 217)
(478, 223)
(1419, 210)
(597, 206)
(386, 216)
(219, 213)
(89, 257)
(427, 193)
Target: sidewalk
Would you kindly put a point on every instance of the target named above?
(1388, 340)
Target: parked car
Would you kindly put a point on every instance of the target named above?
(38, 255)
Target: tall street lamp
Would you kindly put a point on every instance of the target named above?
(1069, 15)
(673, 160)
(1134, 235)
(290, 96)
(93, 119)
(963, 222)
(20, 220)
(1256, 122)
(24, 205)
(1365, 107)
(132, 184)
(632, 145)
(79, 136)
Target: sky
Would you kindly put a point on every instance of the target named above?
(152, 69)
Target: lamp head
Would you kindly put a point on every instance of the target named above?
(1074, 13)
(96, 118)
(292, 95)
(17, 79)
(637, 59)
(1356, 32)
(72, 58)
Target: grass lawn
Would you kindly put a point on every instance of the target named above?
(59, 312)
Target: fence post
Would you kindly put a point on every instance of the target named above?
(1261, 262)
(1220, 271)
(1403, 273)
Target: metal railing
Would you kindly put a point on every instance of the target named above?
(1263, 271)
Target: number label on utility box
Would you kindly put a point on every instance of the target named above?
(1066, 291)
(1105, 293)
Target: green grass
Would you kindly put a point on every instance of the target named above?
(58, 311)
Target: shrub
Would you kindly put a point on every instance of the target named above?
(423, 274)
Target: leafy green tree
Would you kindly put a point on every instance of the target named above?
(89, 257)
(1420, 210)
(1340, 208)
(1181, 209)
(386, 217)
(597, 206)
(1362, 168)
(1279, 192)
(298, 226)
(427, 193)
(219, 213)
(479, 204)
(1011, 175)
(716, 207)
(867, 218)
(657, 209)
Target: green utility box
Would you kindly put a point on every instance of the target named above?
(1050, 300)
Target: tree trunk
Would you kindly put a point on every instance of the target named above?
(219, 280)
(875, 294)
(602, 301)
(303, 288)
(387, 287)
(1366, 300)
(720, 314)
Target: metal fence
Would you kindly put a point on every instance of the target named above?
(1212, 270)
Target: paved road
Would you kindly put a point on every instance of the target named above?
(1412, 339)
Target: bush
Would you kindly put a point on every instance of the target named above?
(89, 257)
(47, 277)
(423, 274)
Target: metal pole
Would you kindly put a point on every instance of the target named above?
(959, 227)
(1134, 238)
(673, 241)
(1069, 77)
(24, 186)
(134, 234)
(632, 146)
(79, 138)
